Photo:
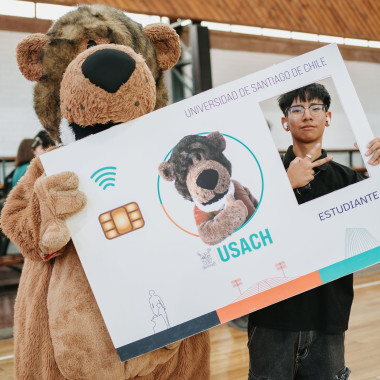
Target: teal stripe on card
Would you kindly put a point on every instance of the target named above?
(350, 265)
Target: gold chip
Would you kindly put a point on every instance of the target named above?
(131, 207)
(135, 215)
(104, 217)
(121, 220)
(137, 224)
(108, 226)
(111, 234)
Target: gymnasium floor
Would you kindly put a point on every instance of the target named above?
(229, 356)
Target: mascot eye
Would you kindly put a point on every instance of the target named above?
(190, 162)
(90, 44)
(198, 156)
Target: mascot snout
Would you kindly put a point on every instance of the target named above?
(108, 69)
(106, 84)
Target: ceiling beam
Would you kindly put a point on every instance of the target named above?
(343, 18)
(24, 24)
(221, 40)
(260, 44)
(60, 2)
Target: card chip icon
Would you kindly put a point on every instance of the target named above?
(121, 220)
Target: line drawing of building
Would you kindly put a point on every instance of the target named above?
(264, 285)
(359, 240)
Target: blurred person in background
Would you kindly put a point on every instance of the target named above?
(42, 141)
(24, 156)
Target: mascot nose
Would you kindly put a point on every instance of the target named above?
(208, 179)
(108, 69)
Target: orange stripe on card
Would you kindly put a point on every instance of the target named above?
(269, 297)
(176, 223)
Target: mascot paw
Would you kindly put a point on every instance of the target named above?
(59, 192)
(236, 210)
(55, 236)
(59, 198)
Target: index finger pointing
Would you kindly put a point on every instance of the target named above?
(313, 152)
(321, 161)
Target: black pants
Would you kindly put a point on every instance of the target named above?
(302, 355)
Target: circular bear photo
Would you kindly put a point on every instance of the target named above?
(210, 185)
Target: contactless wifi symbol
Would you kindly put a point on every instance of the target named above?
(105, 176)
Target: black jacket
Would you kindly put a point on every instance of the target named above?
(327, 307)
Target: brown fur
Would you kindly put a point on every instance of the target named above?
(233, 216)
(27, 56)
(190, 166)
(68, 37)
(59, 331)
(200, 194)
(87, 104)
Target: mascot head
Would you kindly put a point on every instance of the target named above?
(96, 67)
(199, 169)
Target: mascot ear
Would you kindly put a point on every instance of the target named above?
(218, 139)
(28, 53)
(166, 41)
(166, 171)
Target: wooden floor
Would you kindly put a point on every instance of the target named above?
(229, 356)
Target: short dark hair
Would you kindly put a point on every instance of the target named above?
(305, 94)
(24, 152)
(43, 138)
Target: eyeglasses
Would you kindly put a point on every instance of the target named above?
(299, 111)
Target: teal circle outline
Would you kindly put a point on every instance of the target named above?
(249, 150)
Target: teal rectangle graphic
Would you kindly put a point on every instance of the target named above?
(350, 265)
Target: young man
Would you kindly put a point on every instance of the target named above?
(303, 336)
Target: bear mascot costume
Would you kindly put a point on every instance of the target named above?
(94, 68)
(202, 174)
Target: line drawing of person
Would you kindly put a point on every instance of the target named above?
(160, 318)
